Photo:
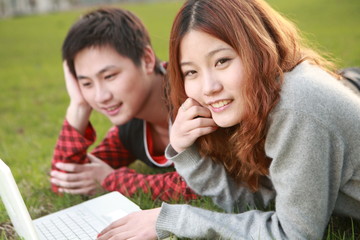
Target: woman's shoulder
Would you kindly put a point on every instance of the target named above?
(309, 88)
(309, 92)
(307, 81)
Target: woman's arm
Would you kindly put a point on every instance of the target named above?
(305, 173)
(208, 178)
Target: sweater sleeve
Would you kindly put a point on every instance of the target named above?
(305, 175)
(306, 172)
(199, 172)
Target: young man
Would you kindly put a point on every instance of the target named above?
(110, 67)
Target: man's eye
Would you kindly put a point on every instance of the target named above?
(109, 77)
(86, 84)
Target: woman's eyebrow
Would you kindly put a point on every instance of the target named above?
(213, 52)
(209, 54)
(185, 63)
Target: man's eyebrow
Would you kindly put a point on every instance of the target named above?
(80, 77)
(106, 68)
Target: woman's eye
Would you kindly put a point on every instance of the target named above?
(189, 73)
(222, 61)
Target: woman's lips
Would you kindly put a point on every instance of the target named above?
(220, 105)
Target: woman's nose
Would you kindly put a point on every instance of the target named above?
(211, 85)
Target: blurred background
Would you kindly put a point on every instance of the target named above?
(33, 97)
(10, 8)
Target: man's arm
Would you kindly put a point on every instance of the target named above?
(72, 148)
(164, 186)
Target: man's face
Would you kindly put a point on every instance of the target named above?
(111, 83)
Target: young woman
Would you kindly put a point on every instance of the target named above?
(110, 67)
(263, 126)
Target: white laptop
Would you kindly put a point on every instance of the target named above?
(82, 221)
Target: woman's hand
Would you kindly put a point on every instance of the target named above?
(81, 178)
(78, 112)
(137, 225)
(192, 121)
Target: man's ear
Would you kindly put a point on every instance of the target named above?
(149, 60)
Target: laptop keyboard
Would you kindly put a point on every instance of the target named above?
(74, 224)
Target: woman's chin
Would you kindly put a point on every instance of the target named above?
(224, 123)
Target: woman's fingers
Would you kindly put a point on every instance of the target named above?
(113, 229)
(192, 122)
(138, 225)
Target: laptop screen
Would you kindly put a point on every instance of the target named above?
(15, 205)
(81, 221)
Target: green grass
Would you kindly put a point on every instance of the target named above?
(33, 98)
(333, 25)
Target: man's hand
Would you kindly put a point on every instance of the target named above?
(81, 178)
(73, 88)
(79, 110)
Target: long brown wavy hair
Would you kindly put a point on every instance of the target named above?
(269, 45)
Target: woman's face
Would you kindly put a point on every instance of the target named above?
(213, 76)
(111, 83)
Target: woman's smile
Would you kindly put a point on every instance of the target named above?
(220, 105)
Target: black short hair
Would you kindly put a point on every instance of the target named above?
(114, 27)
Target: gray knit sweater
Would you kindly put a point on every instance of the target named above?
(314, 141)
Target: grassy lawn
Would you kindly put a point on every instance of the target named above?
(33, 99)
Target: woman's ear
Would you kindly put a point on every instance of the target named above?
(149, 60)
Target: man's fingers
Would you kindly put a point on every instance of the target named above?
(68, 75)
(72, 184)
(94, 159)
(65, 176)
(70, 167)
(84, 191)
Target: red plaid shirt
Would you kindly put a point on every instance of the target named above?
(72, 147)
